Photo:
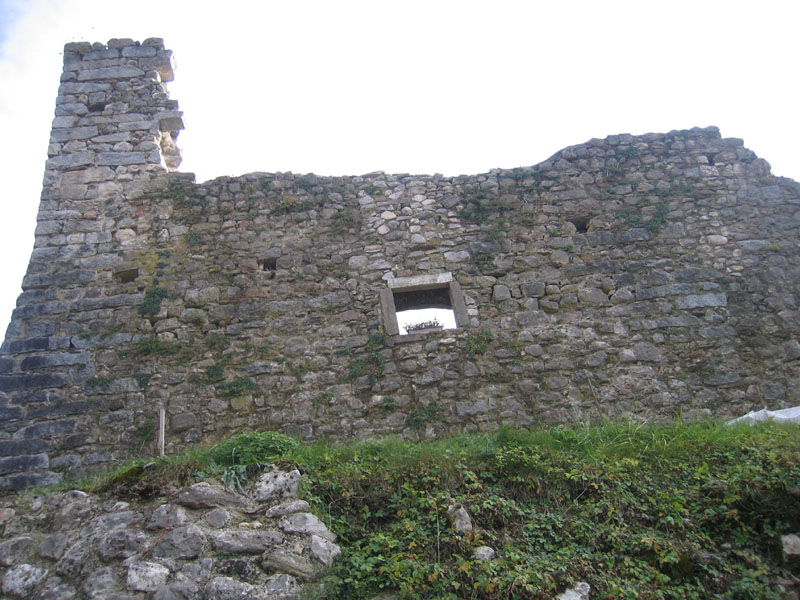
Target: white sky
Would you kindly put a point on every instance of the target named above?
(343, 87)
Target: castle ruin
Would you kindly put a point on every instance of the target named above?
(651, 277)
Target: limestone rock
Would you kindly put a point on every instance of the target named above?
(11, 551)
(461, 519)
(484, 553)
(287, 508)
(217, 518)
(205, 495)
(324, 550)
(20, 581)
(791, 548)
(249, 542)
(53, 546)
(184, 542)
(184, 590)
(288, 562)
(277, 484)
(227, 588)
(146, 576)
(100, 583)
(579, 592)
(166, 515)
(306, 524)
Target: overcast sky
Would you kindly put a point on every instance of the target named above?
(342, 87)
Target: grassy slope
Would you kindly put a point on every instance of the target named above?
(637, 511)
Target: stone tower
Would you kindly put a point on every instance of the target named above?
(113, 136)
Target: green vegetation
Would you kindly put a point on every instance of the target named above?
(290, 204)
(371, 363)
(638, 511)
(152, 346)
(345, 220)
(481, 260)
(654, 224)
(237, 387)
(142, 379)
(477, 343)
(419, 416)
(249, 449)
(192, 238)
(152, 301)
(98, 382)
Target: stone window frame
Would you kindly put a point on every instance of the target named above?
(422, 282)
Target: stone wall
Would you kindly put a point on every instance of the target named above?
(204, 543)
(650, 276)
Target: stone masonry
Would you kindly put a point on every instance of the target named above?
(649, 277)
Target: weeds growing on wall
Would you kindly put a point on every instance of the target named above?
(477, 343)
(152, 301)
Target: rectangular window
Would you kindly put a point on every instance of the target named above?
(422, 304)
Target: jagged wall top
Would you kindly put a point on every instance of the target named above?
(114, 119)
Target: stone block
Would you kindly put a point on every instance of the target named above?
(246, 542)
(45, 429)
(183, 542)
(702, 301)
(27, 480)
(277, 484)
(20, 581)
(66, 161)
(12, 383)
(18, 464)
(12, 551)
(121, 72)
(121, 158)
(146, 576)
(19, 447)
(305, 524)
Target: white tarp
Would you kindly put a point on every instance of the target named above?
(787, 415)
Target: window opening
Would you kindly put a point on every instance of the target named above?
(581, 223)
(270, 265)
(126, 275)
(423, 310)
(422, 304)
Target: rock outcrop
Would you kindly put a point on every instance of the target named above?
(202, 542)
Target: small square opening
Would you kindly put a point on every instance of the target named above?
(269, 265)
(126, 274)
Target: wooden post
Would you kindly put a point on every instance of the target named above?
(161, 426)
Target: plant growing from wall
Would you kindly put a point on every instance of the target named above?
(481, 260)
(344, 221)
(142, 379)
(477, 343)
(98, 382)
(152, 301)
(237, 387)
(421, 415)
(371, 363)
(655, 223)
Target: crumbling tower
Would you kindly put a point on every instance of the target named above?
(113, 137)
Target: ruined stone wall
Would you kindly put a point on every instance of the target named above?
(650, 276)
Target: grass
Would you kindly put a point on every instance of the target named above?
(645, 511)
